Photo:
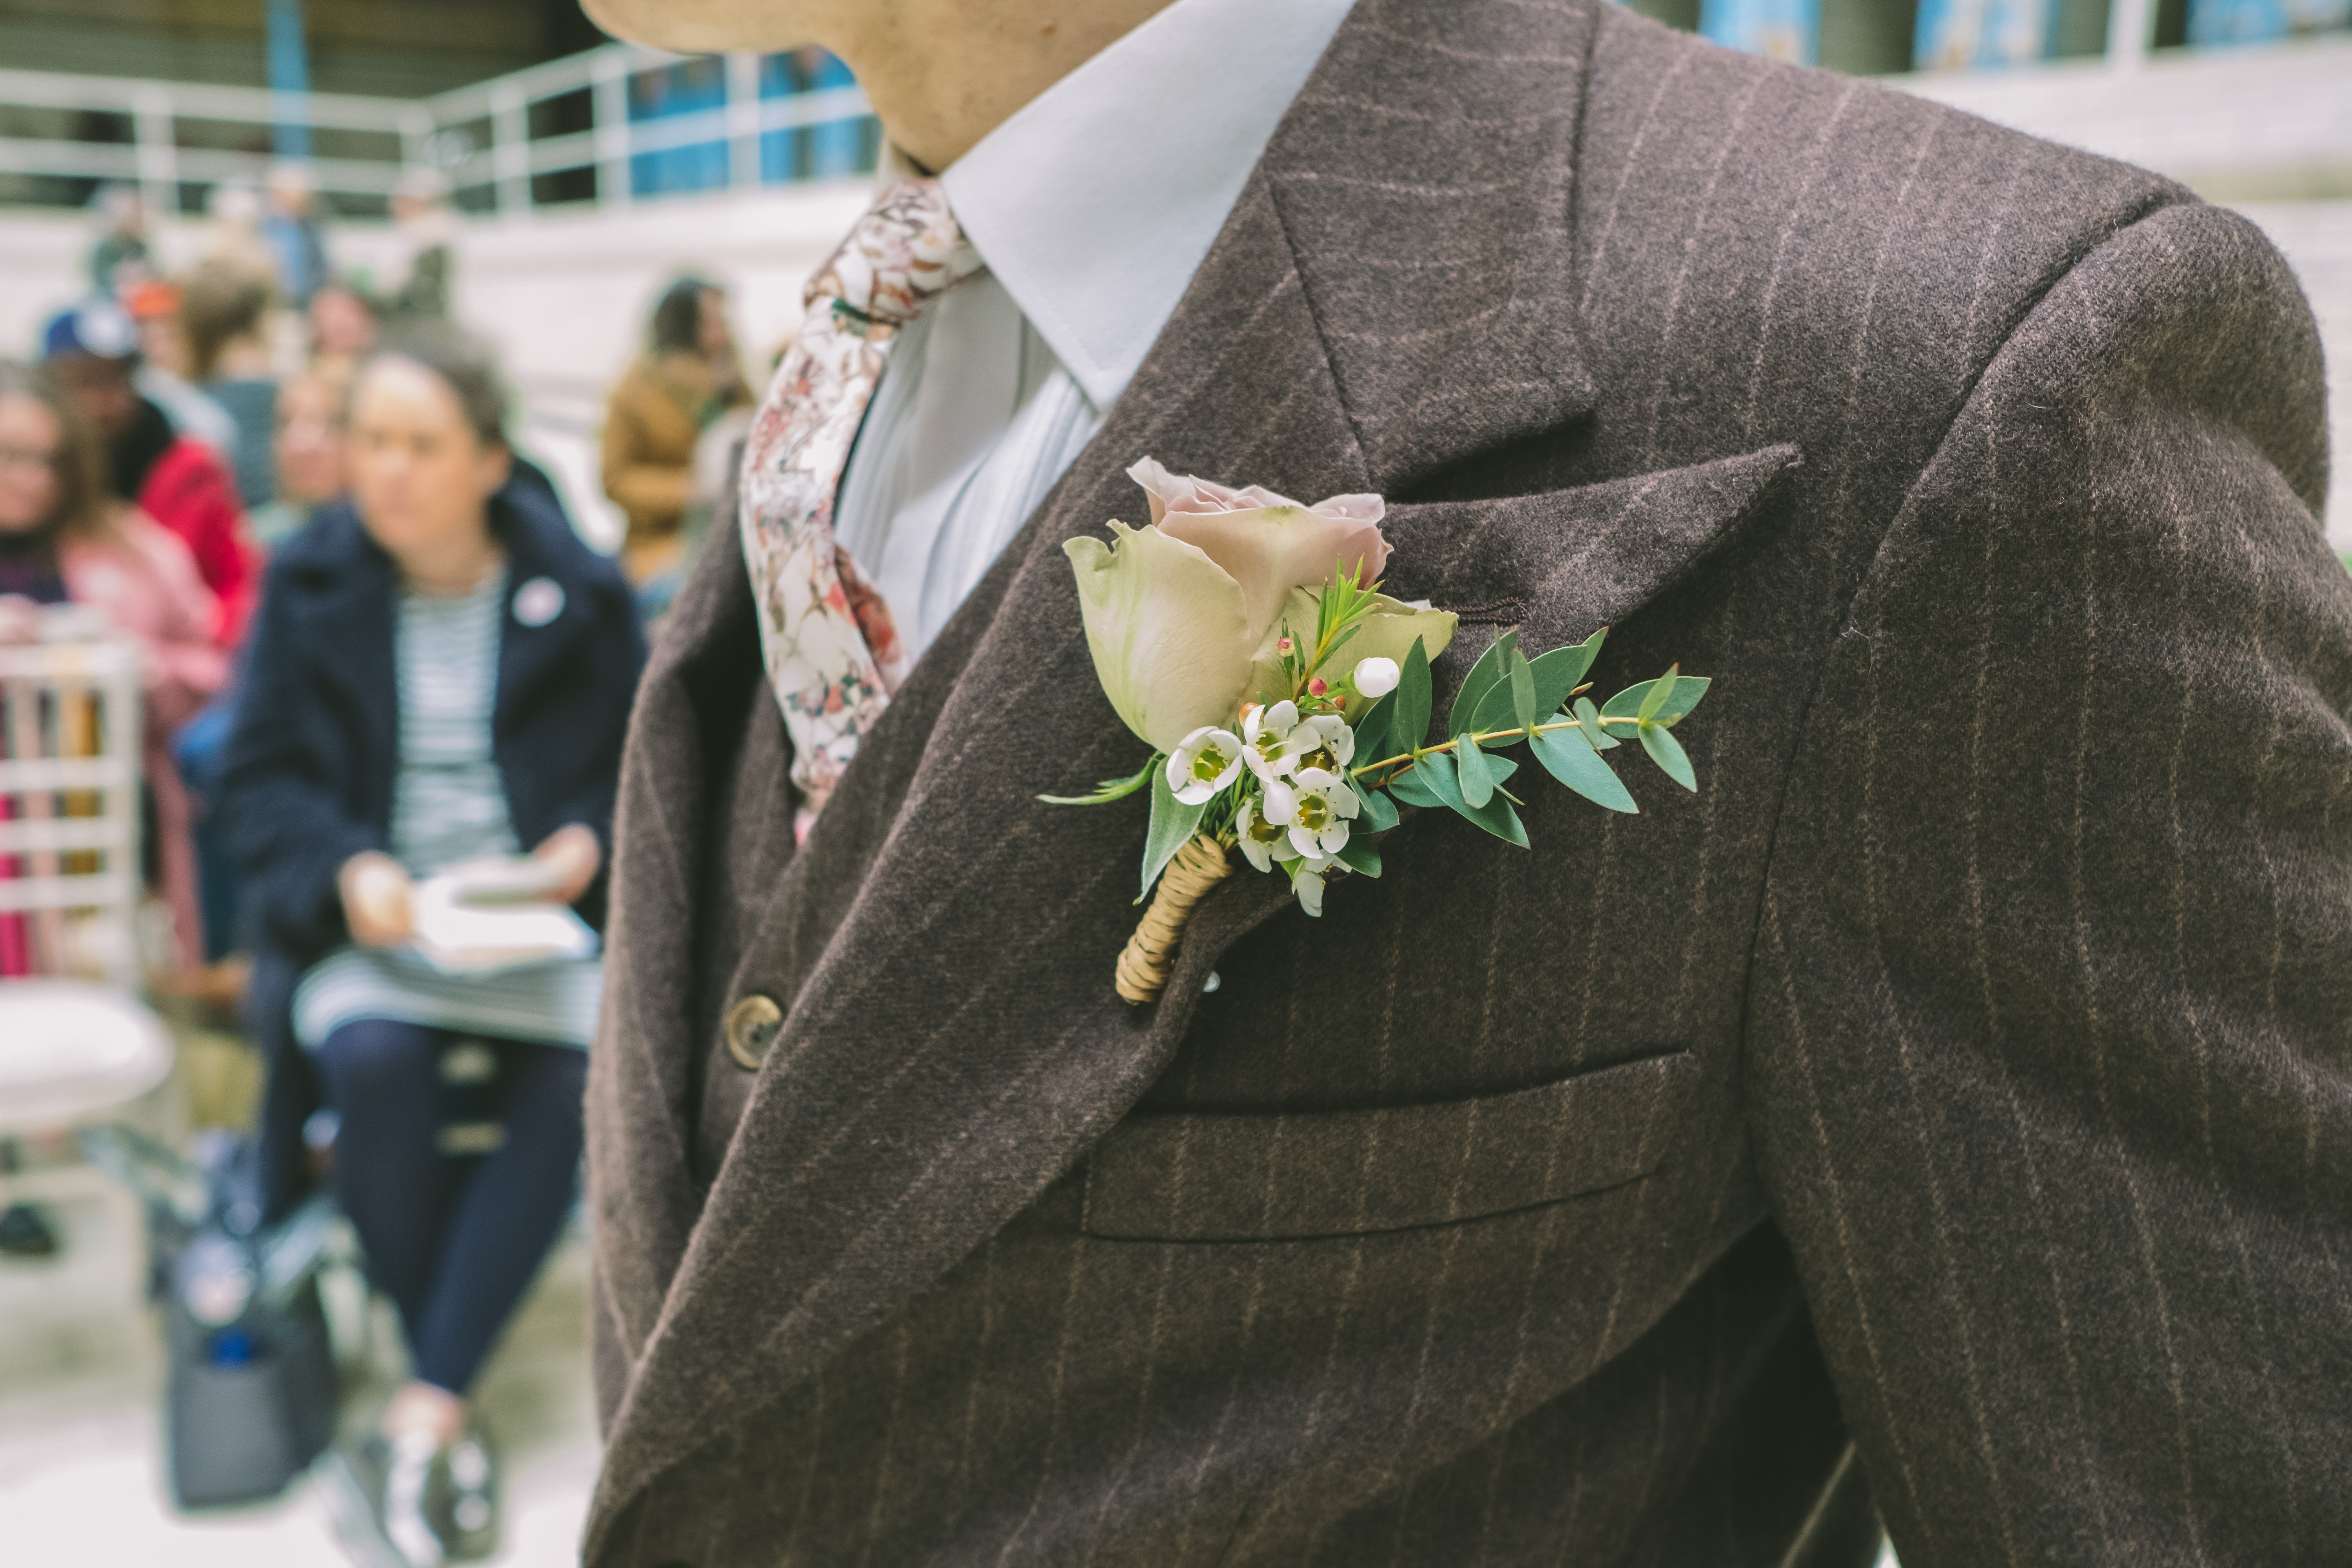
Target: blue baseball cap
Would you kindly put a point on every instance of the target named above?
(98, 328)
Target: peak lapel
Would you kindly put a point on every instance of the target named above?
(1563, 563)
(959, 1042)
(1425, 178)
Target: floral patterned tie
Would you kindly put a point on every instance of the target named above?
(831, 648)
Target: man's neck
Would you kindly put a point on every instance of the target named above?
(942, 74)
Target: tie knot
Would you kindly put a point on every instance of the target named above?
(901, 256)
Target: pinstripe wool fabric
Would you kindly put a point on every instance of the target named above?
(1949, 1109)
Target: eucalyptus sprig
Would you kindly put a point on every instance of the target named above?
(1509, 698)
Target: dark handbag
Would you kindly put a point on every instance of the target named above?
(247, 1408)
(252, 1392)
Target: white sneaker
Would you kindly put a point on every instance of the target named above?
(405, 1481)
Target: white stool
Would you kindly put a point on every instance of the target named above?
(70, 1050)
(71, 1053)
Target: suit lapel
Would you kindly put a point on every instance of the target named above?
(704, 660)
(1406, 175)
(957, 1041)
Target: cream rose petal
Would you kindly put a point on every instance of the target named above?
(1184, 492)
(1267, 542)
(1273, 550)
(1165, 624)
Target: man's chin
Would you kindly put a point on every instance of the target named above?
(708, 27)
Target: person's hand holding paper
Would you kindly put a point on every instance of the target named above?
(482, 915)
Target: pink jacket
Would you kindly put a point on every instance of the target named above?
(145, 580)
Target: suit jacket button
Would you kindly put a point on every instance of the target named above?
(753, 1025)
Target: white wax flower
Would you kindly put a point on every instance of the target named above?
(1316, 807)
(1263, 843)
(1203, 763)
(1266, 737)
(1323, 741)
(1376, 676)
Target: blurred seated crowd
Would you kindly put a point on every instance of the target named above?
(377, 655)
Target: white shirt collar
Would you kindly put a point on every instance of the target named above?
(1096, 201)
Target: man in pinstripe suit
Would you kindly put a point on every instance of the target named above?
(1949, 1112)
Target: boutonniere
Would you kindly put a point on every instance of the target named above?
(1244, 640)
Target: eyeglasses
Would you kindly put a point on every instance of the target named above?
(27, 457)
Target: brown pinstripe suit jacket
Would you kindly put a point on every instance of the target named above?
(1964, 1073)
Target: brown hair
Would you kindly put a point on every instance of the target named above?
(463, 363)
(218, 305)
(83, 509)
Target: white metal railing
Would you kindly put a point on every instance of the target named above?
(502, 161)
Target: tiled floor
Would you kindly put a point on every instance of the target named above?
(81, 1367)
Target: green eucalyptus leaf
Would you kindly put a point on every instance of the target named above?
(1372, 730)
(1568, 758)
(1587, 718)
(1172, 822)
(1655, 697)
(1379, 814)
(1436, 771)
(1498, 709)
(1497, 818)
(1437, 775)
(1109, 789)
(1412, 788)
(1668, 753)
(1522, 683)
(1470, 771)
(1360, 855)
(1554, 675)
(1485, 675)
(1558, 671)
(1627, 704)
(1410, 723)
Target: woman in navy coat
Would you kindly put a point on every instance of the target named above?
(441, 671)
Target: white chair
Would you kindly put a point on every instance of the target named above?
(70, 756)
(75, 1044)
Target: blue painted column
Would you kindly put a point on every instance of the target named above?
(2215, 23)
(1961, 35)
(290, 71)
(1787, 30)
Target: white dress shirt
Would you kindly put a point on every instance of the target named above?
(1093, 206)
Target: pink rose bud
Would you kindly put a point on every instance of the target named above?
(1283, 647)
(1318, 687)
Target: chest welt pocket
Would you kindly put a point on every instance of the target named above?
(1297, 1176)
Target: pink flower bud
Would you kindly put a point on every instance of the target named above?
(1318, 687)
(1283, 647)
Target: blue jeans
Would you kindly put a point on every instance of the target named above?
(454, 1239)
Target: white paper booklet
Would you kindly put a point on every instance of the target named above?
(490, 914)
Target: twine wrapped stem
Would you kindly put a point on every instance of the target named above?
(1143, 966)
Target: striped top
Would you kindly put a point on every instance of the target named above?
(449, 805)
